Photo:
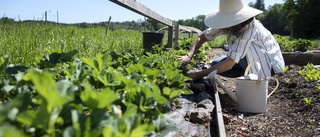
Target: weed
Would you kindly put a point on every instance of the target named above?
(287, 81)
(285, 70)
(307, 101)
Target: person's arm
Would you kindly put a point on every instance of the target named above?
(196, 45)
(222, 66)
(194, 48)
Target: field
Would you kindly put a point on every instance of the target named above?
(71, 81)
(27, 42)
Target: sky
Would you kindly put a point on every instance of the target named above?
(94, 11)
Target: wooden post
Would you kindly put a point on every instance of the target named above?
(57, 17)
(107, 28)
(176, 35)
(170, 31)
(45, 17)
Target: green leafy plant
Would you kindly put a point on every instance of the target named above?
(307, 101)
(285, 70)
(91, 96)
(284, 43)
(302, 45)
(310, 72)
(287, 81)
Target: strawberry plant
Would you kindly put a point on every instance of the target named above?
(62, 95)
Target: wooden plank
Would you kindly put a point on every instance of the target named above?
(139, 8)
(221, 129)
(170, 36)
(301, 59)
(176, 35)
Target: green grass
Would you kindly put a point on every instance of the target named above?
(24, 42)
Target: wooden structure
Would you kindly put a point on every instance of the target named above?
(301, 59)
(181, 28)
(139, 8)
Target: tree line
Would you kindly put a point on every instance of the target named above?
(295, 18)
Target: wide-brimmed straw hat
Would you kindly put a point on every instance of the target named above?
(230, 13)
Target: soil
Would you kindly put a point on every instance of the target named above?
(288, 113)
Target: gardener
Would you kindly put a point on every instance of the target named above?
(247, 38)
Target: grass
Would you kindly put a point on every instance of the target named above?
(23, 42)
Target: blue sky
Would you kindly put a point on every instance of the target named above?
(77, 11)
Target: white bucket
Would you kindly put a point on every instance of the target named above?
(252, 92)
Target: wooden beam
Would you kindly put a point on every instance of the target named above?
(170, 36)
(139, 8)
(176, 35)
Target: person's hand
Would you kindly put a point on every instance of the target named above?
(185, 60)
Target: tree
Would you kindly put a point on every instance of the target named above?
(275, 20)
(259, 4)
(307, 22)
(304, 19)
(290, 9)
(197, 22)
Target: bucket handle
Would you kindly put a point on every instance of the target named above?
(259, 76)
(277, 81)
(259, 71)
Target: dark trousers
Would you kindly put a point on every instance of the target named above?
(236, 71)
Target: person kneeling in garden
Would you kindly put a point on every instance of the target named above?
(248, 40)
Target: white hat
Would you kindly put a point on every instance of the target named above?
(230, 13)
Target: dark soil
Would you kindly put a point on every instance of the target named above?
(288, 113)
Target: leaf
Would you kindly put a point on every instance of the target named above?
(132, 109)
(75, 123)
(68, 56)
(26, 117)
(89, 62)
(157, 94)
(13, 132)
(89, 97)
(15, 70)
(166, 91)
(106, 98)
(68, 132)
(107, 131)
(175, 93)
(164, 125)
(47, 88)
(141, 130)
(96, 100)
(4, 62)
(187, 92)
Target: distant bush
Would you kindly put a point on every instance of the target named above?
(302, 45)
(284, 43)
(287, 45)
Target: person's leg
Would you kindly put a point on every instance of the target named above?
(236, 71)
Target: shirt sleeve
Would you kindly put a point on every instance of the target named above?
(239, 49)
(211, 33)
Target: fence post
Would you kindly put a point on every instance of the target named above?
(45, 16)
(170, 31)
(107, 28)
(176, 35)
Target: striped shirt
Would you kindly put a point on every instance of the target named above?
(256, 44)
